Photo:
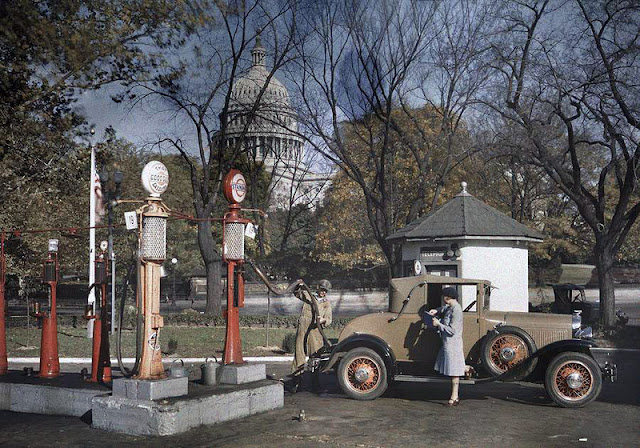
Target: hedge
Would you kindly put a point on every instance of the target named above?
(187, 318)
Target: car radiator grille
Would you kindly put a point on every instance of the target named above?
(544, 337)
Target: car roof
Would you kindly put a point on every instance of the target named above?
(438, 279)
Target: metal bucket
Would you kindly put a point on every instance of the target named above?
(210, 372)
(177, 371)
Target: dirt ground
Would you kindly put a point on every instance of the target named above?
(497, 414)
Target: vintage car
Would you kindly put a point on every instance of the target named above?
(375, 350)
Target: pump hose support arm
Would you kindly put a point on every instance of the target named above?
(293, 288)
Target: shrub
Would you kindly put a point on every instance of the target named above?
(289, 343)
(172, 346)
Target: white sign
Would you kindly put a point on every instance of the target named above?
(155, 178)
(131, 219)
(238, 187)
(417, 267)
(250, 231)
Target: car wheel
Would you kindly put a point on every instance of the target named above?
(506, 349)
(573, 379)
(362, 374)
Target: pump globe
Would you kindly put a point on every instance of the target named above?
(155, 178)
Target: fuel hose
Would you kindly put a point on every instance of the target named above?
(139, 321)
(305, 291)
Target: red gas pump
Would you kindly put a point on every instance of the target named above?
(100, 361)
(49, 360)
(235, 190)
(3, 335)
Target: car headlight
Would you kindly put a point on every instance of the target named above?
(576, 320)
(584, 333)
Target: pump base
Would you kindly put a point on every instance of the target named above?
(66, 394)
(242, 373)
(150, 389)
(205, 405)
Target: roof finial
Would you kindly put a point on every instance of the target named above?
(464, 187)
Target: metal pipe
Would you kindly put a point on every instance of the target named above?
(3, 333)
(49, 359)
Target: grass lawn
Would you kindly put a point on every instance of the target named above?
(192, 342)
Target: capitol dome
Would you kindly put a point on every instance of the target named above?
(271, 133)
(245, 90)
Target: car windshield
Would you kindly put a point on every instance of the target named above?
(487, 298)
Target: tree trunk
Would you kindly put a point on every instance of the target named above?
(214, 287)
(604, 263)
(213, 266)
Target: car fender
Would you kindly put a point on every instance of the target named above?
(550, 351)
(364, 340)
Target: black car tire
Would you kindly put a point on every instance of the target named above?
(504, 341)
(587, 383)
(362, 374)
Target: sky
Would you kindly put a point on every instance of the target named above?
(137, 125)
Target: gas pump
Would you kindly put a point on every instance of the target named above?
(100, 359)
(49, 360)
(235, 190)
(152, 244)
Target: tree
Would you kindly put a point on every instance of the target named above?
(345, 238)
(197, 87)
(361, 70)
(573, 93)
(49, 52)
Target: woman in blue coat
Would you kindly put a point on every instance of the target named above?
(450, 360)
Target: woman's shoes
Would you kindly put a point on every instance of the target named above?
(452, 403)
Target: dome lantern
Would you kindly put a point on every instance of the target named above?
(258, 53)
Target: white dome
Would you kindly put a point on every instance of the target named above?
(271, 134)
(245, 90)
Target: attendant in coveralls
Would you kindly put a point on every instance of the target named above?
(450, 361)
(308, 337)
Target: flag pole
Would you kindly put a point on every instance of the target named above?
(91, 299)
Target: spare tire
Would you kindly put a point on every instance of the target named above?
(507, 349)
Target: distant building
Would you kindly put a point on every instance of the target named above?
(467, 238)
(272, 135)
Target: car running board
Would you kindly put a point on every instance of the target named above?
(437, 379)
(430, 379)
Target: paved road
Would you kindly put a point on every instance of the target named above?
(498, 414)
(350, 304)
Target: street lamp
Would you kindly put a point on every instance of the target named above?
(111, 194)
(174, 262)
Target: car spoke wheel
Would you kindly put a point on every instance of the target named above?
(573, 379)
(362, 374)
(507, 351)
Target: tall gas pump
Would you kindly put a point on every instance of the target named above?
(100, 359)
(49, 360)
(235, 190)
(3, 331)
(152, 243)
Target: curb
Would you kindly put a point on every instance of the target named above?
(114, 361)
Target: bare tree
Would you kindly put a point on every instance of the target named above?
(573, 92)
(297, 191)
(197, 90)
(366, 79)
(449, 81)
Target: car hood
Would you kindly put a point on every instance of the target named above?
(530, 320)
